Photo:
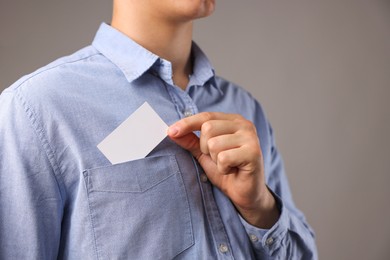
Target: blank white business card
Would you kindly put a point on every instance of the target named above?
(136, 137)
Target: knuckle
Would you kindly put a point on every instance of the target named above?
(223, 159)
(212, 144)
(245, 124)
(240, 120)
(206, 116)
(206, 127)
(238, 117)
(254, 151)
(248, 124)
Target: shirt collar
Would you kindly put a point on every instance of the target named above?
(134, 60)
(202, 68)
(131, 58)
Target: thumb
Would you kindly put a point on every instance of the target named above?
(189, 142)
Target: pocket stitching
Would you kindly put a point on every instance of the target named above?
(173, 166)
(92, 218)
(175, 170)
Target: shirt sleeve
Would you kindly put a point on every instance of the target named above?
(30, 198)
(291, 237)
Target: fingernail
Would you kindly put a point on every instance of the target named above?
(173, 131)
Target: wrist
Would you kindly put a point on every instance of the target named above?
(264, 214)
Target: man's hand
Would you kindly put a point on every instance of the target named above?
(229, 152)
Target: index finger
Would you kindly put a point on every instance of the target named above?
(194, 123)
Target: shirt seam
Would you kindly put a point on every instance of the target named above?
(91, 216)
(48, 68)
(40, 133)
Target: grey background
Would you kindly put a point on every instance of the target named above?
(321, 69)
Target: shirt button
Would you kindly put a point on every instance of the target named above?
(187, 113)
(269, 241)
(253, 238)
(223, 248)
(203, 177)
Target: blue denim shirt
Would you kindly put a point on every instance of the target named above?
(61, 198)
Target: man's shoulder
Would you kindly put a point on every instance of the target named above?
(51, 74)
(244, 102)
(231, 89)
(59, 81)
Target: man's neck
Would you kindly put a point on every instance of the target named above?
(170, 41)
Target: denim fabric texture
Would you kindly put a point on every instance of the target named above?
(60, 198)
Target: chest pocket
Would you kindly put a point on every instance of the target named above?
(139, 209)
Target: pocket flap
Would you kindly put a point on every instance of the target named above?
(133, 176)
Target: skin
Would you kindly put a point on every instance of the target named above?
(228, 148)
(164, 27)
(229, 152)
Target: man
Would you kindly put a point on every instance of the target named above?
(215, 189)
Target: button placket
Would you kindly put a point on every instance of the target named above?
(190, 107)
(185, 106)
